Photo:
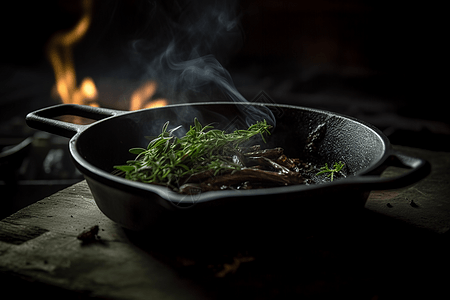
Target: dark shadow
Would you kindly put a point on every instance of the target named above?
(357, 254)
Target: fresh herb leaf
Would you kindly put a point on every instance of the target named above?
(336, 168)
(124, 168)
(136, 150)
(169, 159)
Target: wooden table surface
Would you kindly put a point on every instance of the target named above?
(397, 249)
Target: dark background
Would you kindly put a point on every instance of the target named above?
(369, 59)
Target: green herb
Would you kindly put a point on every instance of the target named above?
(336, 168)
(168, 159)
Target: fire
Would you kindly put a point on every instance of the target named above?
(141, 97)
(60, 54)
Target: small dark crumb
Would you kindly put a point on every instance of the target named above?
(389, 205)
(413, 204)
(90, 235)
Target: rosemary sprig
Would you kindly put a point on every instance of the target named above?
(336, 168)
(168, 159)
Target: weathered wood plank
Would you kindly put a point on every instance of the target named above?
(114, 270)
(425, 204)
(40, 243)
(69, 211)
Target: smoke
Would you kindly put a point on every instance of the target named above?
(185, 50)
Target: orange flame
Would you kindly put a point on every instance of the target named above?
(141, 97)
(60, 54)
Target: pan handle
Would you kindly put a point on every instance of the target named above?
(43, 119)
(418, 169)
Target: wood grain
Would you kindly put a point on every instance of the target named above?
(40, 243)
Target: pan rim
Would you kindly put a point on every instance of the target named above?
(146, 190)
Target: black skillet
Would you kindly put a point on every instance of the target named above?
(97, 147)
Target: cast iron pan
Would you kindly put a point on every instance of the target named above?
(97, 147)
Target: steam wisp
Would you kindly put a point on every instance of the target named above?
(185, 55)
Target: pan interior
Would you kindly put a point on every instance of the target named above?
(106, 143)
